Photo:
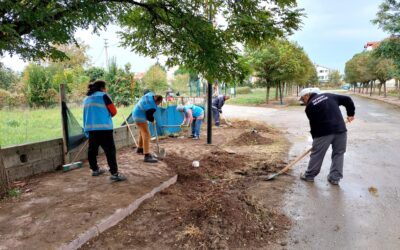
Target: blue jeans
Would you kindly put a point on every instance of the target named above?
(196, 127)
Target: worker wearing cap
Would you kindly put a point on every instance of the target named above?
(327, 128)
(143, 112)
(217, 103)
(193, 116)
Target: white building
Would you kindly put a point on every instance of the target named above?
(322, 73)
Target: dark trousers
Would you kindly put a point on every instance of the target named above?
(319, 147)
(105, 139)
(216, 116)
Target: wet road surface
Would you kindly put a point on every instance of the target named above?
(363, 212)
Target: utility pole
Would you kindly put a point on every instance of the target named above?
(105, 49)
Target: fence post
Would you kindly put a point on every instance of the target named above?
(4, 185)
(63, 123)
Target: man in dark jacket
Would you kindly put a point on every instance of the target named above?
(217, 104)
(327, 128)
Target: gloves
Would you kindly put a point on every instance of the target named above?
(181, 126)
(220, 111)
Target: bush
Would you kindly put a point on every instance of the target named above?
(4, 97)
(243, 90)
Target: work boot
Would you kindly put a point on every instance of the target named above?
(150, 159)
(333, 182)
(139, 151)
(117, 177)
(196, 138)
(191, 136)
(98, 172)
(304, 178)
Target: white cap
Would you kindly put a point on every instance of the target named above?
(307, 91)
(179, 108)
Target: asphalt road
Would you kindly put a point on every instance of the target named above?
(363, 212)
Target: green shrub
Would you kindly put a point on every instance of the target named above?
(4, 97)
(243, 90)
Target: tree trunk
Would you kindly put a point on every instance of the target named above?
(276, 92)
(268, 89)
(3, 177)
(370, 90)
(384, 89)
(280, 92)
(297, 90)
(380, 88)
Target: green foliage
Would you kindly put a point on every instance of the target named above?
(14, 193)
(155, 79)
(8, 78)
(390, 49)
(334, 78)
(4, 98)
(40, 91)
(243, 90)
(182, 31)
(388, 16)
(256, 97)
(32, 29)
(278, 62)
(95, 73)
(181, 83)
(119, 84)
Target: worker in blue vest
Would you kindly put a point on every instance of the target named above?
(193, 116)
(97, 124)
(143, 112)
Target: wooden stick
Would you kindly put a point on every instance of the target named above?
(80, 151)
(130, 131)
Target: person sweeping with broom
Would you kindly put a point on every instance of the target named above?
(143, 112)
(98, 110)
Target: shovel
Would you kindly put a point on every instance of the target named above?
(160, 151)
(289, 166)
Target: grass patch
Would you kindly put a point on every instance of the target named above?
(19, 126)
(14, 193)
(257, 96)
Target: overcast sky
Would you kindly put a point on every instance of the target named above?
(332, 33)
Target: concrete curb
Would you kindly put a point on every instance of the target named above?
(116, 217)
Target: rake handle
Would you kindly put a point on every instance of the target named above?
(130, 131)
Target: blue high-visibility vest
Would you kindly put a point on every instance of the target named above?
(145, 103)
(196, 110)
(95, 113)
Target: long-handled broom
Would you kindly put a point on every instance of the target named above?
(75, 164)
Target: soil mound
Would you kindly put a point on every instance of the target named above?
(249, 139)
(253, 126)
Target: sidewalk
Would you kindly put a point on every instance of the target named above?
(389, 99)
(63, 210)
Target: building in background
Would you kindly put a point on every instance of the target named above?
(371, 46)
(322, 73)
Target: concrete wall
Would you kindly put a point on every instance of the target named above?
(29, 159)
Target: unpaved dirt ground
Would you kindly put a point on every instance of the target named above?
(213, 206)
(54, 208)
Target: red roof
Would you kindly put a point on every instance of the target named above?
(372, 44)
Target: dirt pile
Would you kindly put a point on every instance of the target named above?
(259, 127)
(249, 139)
(208, 207)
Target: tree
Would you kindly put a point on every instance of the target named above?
(155, 79)
(182, 31)
(280, 62)
(40, 92)
(8, 78)
(388, 16)
(334, 78)
(181, 83)
(33, 29)
(95, 73)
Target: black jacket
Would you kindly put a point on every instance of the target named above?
(324, 113)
